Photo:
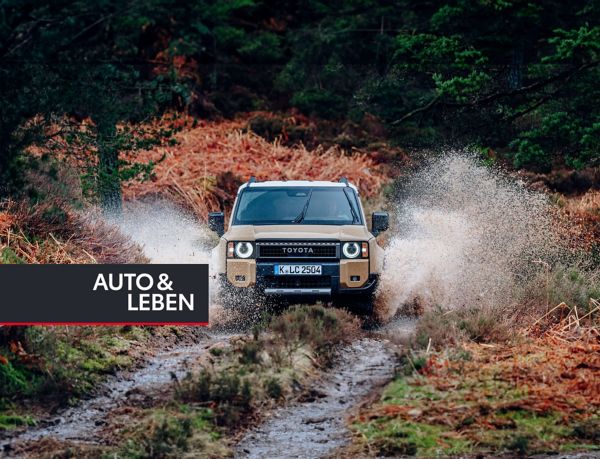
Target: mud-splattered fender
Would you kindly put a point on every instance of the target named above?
(376, 255)
(218, 257)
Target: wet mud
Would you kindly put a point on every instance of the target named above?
(316, 425)
(83, 423)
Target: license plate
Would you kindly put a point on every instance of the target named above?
(298, 270)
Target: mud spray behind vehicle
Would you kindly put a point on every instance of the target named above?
(299, 240)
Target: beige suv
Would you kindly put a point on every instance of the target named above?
(295, 240)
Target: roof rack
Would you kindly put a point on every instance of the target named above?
(252, 179)
(344, 180)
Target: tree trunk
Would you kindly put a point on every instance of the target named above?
(109, 182)
(515, 77)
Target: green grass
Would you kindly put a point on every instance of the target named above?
(526, 433)
(11, 421)
(61, 365)
(391, 437)
(422, 429)
(8, 256)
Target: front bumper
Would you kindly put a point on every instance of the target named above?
(337, 279)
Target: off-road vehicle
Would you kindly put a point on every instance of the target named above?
(295, 240)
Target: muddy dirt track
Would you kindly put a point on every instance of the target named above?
(316, 427)
(312, 427)
(83, 423)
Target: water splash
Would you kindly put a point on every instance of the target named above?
(466, 235)
(168, 234)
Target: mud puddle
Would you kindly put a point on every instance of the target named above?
(82, 423)
(317, 426)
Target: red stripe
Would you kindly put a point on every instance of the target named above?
(201, 324)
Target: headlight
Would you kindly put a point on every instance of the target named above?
(244, 249)
(351, 249)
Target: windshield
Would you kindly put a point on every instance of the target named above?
(297, 205)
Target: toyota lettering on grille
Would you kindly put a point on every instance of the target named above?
(298, 250)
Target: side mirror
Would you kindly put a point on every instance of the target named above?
(216, 222)
(380, 221)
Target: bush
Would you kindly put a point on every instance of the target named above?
(60, 363)
(250, 352)
(75, 238)
(163, 436)
(12, 381)
(203, 385)
(231, 394)
(316, 327)
(273, 388)
(479, 324)
(573, 285)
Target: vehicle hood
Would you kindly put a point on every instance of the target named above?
(337, 232)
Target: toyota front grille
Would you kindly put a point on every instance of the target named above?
(284, 250)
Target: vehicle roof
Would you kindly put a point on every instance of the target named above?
(296, 183)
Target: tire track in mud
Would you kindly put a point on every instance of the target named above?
(316, 427)
(83, 423)
(313, 427)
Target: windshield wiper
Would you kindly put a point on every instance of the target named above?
(300, 217)
(355, 218)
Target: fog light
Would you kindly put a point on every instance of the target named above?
(240, 278)
(354, 278)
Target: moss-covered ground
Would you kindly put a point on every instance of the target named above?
(540, 396)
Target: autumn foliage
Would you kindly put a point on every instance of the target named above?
(203, 170)
(49, 233)
(482, 397)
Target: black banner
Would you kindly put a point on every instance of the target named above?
(103, 294)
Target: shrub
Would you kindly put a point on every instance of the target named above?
(316, 327)
(231, 394)
(250, 371)
(520, 444)
(74, 238)
(267, 127)
(163, 436)
(572, 284)
(225, 388)
(479, 324)
(203, 385)
(250, 352)
(12, 381)
(273, 388)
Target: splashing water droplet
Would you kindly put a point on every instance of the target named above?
(167, 234)
(467, 235)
